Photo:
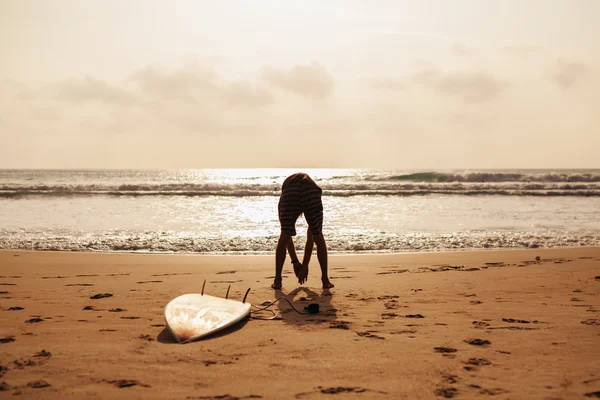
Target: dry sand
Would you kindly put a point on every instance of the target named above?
(404, 326)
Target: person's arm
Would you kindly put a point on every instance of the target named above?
(308, 248)
(292, 250)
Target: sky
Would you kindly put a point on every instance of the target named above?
(427, 84)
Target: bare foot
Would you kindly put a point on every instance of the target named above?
(276, 284)
(327, 284)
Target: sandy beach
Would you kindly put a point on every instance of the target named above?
(507, 324)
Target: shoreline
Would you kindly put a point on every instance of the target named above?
(330, 252)
(402, 325)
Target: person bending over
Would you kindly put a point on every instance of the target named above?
(300, 194)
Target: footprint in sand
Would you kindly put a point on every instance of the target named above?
(38, 384)
(8, 339)
(17, 308)
(518, 321)
(590, 322)
(34, 320)
(101, 296)
(340, 325)
(414, 316)
(369, 335)
(395, 271)
(402, 332)
(146, 337)
(124, 383)
(43, 353)
(489, 392)
(230, 397)
(473, 363)
(117, 310)
(447, 393)
(319, 389)
(478, 342)
(149, 282)
(444, 350)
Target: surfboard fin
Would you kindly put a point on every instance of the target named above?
(227, 294)
(246, 295)
(203, 287)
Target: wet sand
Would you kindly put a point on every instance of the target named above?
(507, 324)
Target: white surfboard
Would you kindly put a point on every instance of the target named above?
(193, 316)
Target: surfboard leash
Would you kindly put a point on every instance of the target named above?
(309, 310)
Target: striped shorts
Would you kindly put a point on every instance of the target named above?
(300, 194)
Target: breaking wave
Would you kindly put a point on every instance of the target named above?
(379, 188)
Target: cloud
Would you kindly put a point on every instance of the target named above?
(308, 80)
(463, 50)
(566, 73)
(190, 81)
(92, 90)
(247, 95)
(472, 86)
(383, 83)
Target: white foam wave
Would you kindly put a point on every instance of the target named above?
(164, 242)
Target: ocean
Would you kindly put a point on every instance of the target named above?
(234, 211)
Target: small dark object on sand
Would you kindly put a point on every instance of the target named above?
(34, 320)
(7, 339)
(101, 295)
(414, 316)
(15, 308)
(42, 353)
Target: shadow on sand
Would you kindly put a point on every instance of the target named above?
(166, 337)
(327, 313)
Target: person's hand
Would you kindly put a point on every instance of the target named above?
(298, 270)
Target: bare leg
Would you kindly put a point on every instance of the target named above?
(322, 256)
(284, 239)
